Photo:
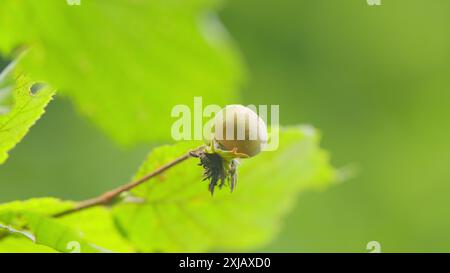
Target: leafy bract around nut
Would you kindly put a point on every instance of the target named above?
(219, 165)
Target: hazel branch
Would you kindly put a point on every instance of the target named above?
(109, 196)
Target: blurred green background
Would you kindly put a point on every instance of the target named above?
(374, 79)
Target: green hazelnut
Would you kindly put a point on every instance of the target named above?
(238, 128)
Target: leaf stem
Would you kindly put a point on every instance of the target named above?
(109, 196)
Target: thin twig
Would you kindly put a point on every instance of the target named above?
(109, 196)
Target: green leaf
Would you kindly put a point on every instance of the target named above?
(115, 58)
(32, 220)
(98, 228)
(175, 211)
(27, 107)
(14, 244)
(43, 206)
(6, 84)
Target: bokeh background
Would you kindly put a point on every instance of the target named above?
(374, 79)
